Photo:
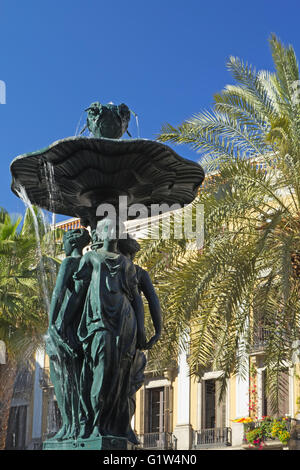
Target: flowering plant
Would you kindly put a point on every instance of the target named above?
(255, 437)
(253, 397)
(260, 433)
(248, 419)
(279, 430)
(257, 432)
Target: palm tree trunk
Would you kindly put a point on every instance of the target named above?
(8, 374)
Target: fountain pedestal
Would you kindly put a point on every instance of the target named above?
(91, 443)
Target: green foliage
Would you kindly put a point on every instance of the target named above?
(279, 430)
(23, 315)
(267, 428)
(261, 433)
(243, 278)
(256, 433)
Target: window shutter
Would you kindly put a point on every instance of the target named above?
(166, 408)
(146, 411)
(170, 409)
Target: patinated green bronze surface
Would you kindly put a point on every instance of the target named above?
(95, 339)
(90, 171)
(92, 443)
(66, 355)
(107, 120)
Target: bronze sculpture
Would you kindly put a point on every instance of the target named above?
(108, 120)
(96, 335)
(110, 330)
(65, 355)
(96, 329)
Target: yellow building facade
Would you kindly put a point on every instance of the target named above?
(173, 409)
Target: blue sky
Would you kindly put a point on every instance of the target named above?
(165, 59)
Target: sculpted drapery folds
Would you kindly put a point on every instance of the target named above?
(65, 363)
(100, 334)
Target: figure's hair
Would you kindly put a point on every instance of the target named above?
(78, 237)
(128, 246)
(96, 241)
(95, 237)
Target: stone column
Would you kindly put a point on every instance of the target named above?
(237, 434)
(242, 409)
(183, 428)
(38, 397)
(242, 396)
(260, 392)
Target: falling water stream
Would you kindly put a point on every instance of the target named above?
(37, 218)
(51, 188)
(24, 197)
(77, 131)
(137, 125)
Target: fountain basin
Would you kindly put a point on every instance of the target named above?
(91, 171)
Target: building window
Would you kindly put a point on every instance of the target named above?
(156, 410)
(213, 409)
(210, 404)
(156, 407)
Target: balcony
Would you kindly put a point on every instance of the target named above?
(260, 338)
(214, 437)
(158, 441)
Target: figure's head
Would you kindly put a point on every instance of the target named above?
(108, 229)
(128, 247)
(94, 108)
(77, 238)
(108, 120)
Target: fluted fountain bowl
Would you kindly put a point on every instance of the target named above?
(87, 172)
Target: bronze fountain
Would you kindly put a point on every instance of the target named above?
(96, 336)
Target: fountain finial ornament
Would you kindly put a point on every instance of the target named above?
(107, 120)
(96, 329)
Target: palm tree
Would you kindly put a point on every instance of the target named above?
(23, 315)
(247, 273)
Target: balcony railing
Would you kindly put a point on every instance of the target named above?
(290, 422)
(158, 440)
(273, 443)
(260, 339)
(69, 224)
(214, 437)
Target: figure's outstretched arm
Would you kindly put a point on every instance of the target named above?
(65, 271)
(154, 306)
(138, 307)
